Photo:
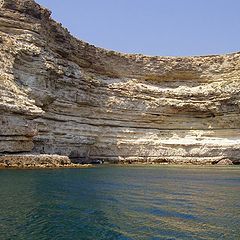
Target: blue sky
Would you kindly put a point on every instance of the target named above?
(153, 27)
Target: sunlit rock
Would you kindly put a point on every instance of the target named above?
(60, 95)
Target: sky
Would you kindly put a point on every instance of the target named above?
(153, 27)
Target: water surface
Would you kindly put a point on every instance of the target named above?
(112, 202)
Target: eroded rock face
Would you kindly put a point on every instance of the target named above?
(37, 161)
(59, 95)
(40, 161)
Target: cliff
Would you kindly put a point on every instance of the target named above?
(60, 95)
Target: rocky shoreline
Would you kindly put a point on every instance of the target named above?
(38, 161)
(214, 161)
(33, 161)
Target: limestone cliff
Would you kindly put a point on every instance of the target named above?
(60, 95)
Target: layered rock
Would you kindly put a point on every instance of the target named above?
(60, 95)
(36, 161)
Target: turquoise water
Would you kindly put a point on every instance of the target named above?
(113, 202)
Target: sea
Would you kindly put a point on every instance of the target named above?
(120, 203)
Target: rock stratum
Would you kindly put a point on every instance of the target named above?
(60, 95)
(37, 161)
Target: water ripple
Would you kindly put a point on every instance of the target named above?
(122, 203)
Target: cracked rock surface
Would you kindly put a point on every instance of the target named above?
(60, 95)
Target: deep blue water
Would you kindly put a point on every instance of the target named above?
(113, 202)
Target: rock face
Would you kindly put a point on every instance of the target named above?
(60, 95)
(40, 161)
(37, 161)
